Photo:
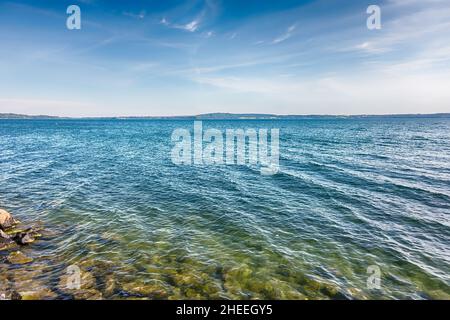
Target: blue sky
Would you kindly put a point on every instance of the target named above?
(198, 56)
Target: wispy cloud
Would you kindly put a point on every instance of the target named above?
(233, 36)
(140, 15)
(201, 13)
(243, 54)
(417, 29)
(208, 34)
(286, 35)
(368, 47)
(192, 26)
(256, 43)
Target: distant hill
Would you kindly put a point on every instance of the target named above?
(217, 116)
(233, 116)
(24, 116)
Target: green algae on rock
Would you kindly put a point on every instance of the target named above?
(5, 241)
(152, 289)
(27, 282)
(17, 257)
(37, 294)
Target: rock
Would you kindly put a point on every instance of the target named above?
(356, 294)
(26, 278)
(193, 295)
(88, 294)
(9, 239)
(3, 235)
(6, 220)
(5, 282)
(10, 295)
(153, 289)
(27, 282)
(5, 241)
(439, 295)
(68, 284)
(15, 296)
(7, 244)
(12, 231)
(110, 285)
(26, 237)
(38, 294)
(332, 291)
(18, 257)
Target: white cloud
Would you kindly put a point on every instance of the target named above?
(258, 42)
(208, 34)
(191, 26)
(233, 35)
(164, 21)
(417, 29)
(286, 35)
(368, 47)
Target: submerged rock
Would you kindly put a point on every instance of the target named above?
(6, 220)
(9, 238)
(152, 289)
(110, 285)
(69, 283)
(27, 282)
(10, 234)
(356, 294)
(26, 237)
(14, 295)
(18, 257)
(86, 289)
(5, 241)
(439, 294)
(38, 294)
(87, 294)
(4, 282)
(7, 244)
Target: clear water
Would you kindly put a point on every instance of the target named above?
(351, 193)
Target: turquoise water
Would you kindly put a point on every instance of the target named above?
(350, 193)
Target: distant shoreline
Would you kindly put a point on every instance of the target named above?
(224, 116)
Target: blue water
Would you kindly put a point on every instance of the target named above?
(350, 193)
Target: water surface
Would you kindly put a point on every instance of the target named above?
(350, 193)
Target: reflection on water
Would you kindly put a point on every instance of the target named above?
(350, 193)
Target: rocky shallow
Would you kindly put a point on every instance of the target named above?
(13, 236)
(169, 277)
(28, 272)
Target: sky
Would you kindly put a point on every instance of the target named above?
(172, 57)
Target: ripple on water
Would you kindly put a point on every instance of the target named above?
(350, 194)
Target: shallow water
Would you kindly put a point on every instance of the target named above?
(350, 193)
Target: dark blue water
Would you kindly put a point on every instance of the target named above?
(350, 193)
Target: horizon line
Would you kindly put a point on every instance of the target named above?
(222, 115)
